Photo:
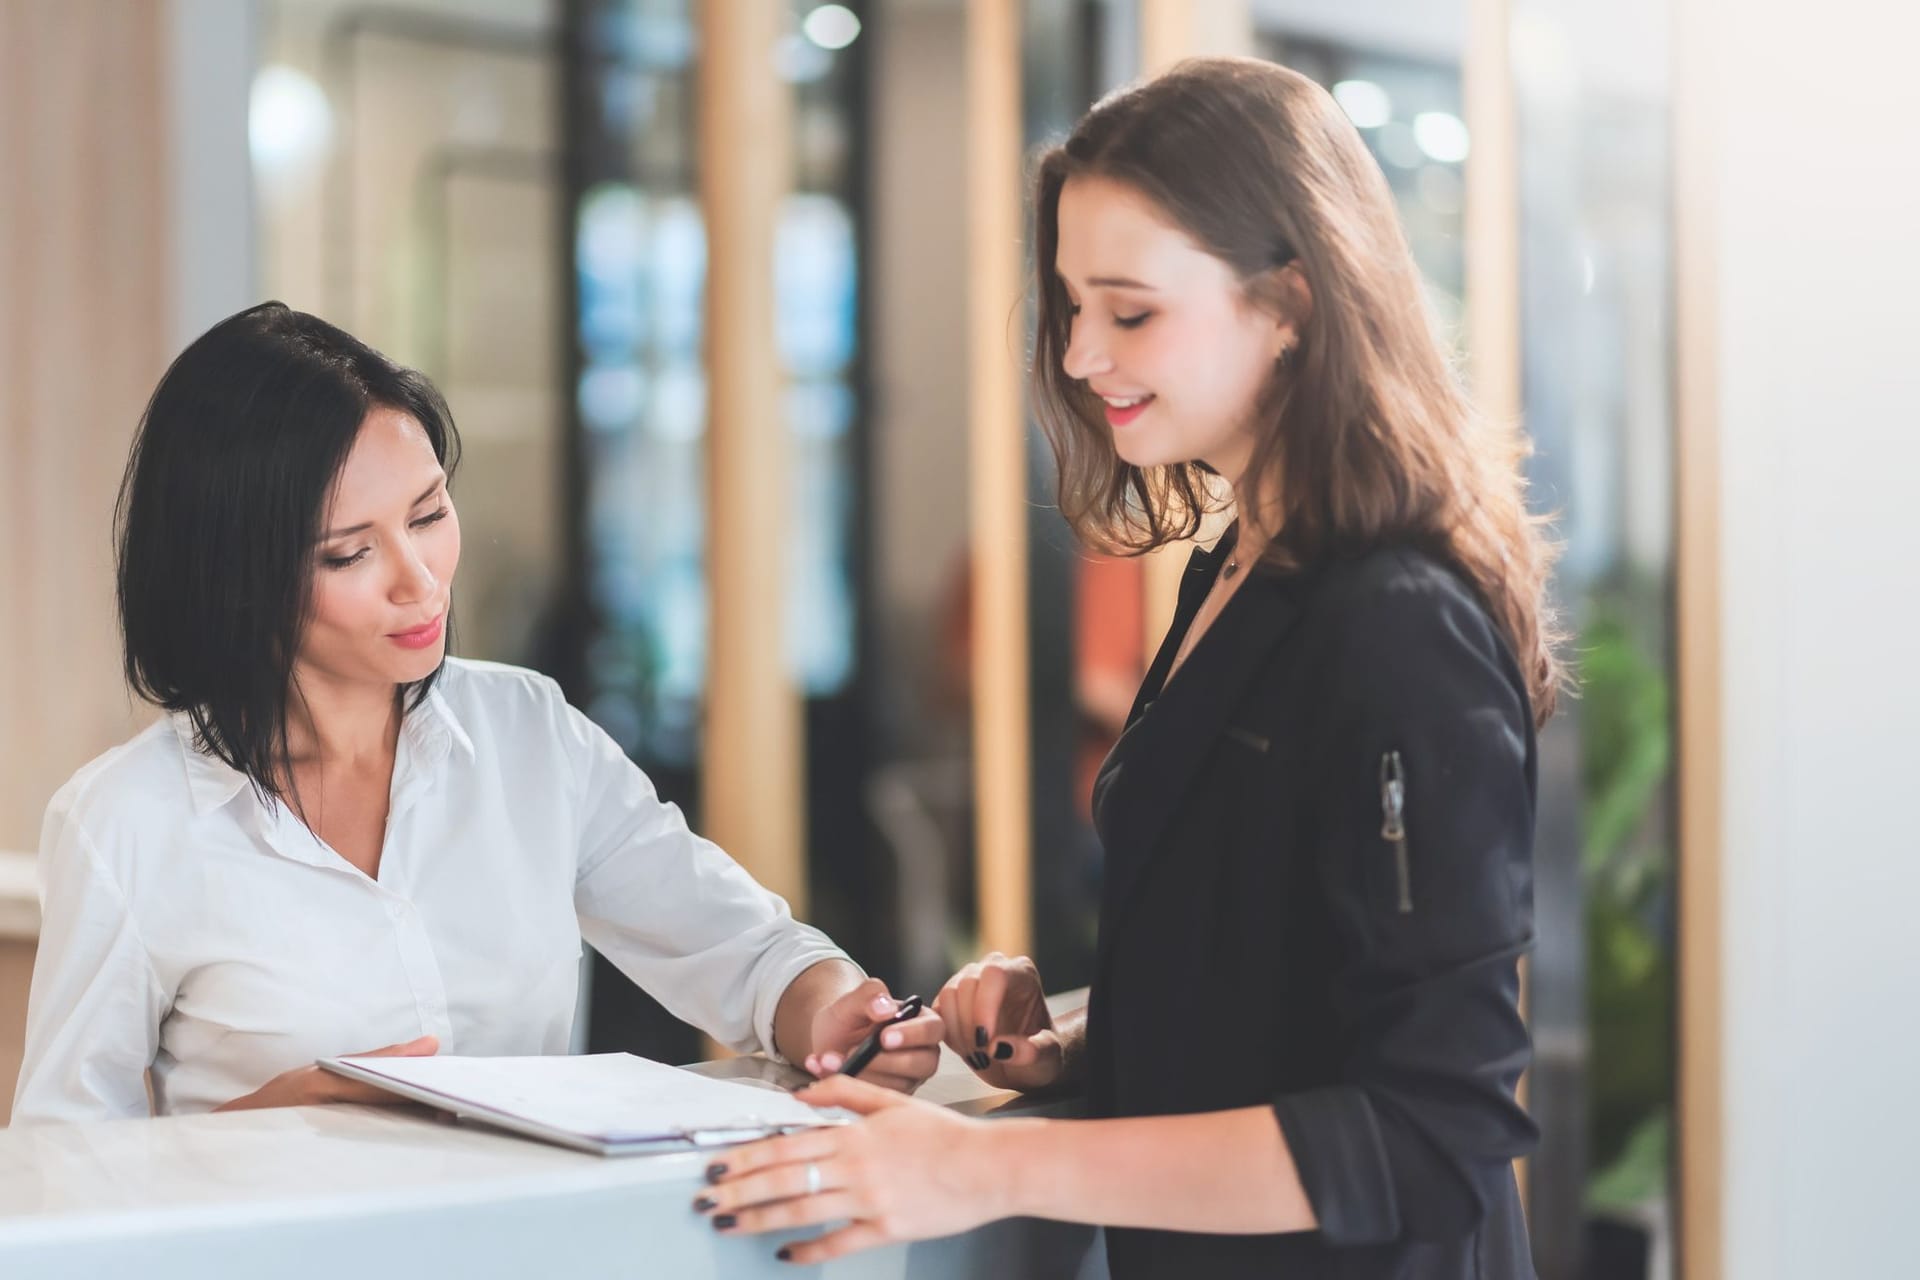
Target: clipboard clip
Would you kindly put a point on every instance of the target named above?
(733, 1134)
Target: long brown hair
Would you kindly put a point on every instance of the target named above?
(1365, 436)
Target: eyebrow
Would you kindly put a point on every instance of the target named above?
(1111, 282)
(426, 493)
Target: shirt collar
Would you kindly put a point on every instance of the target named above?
(432, 730)
(211, 780)
(435, 732)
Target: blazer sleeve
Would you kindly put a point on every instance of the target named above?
(1426, 932)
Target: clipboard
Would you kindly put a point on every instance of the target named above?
(607, 1104)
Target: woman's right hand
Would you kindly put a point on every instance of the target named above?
(995, 1011)
(310, 1086)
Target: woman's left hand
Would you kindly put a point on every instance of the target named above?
(909, 1171)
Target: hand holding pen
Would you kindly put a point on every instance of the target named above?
(867, 1050)
(888, 1042)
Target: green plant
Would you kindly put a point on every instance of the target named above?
(1626, 861)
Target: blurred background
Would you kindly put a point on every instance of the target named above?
(727, 298)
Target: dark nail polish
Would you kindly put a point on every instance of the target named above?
(715, 1172)
(784, 1253)
(724, 1222)
(979, 1037)
(981, 1061)
(1003, 1051)
(705, 1203)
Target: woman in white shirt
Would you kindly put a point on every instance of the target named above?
(339, 837)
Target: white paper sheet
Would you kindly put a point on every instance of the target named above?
(606, 1097)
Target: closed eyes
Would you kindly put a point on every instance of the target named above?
(347, 562)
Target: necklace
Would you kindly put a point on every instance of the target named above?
(1232, 566)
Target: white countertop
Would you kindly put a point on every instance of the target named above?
(341, 1156)
(19, 897)
(311, 1191)
(59, 1180)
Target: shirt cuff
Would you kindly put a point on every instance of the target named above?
(1336, 1145)
(810, 947)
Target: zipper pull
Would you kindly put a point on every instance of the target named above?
(1393, 823)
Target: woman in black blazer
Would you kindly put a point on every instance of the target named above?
(1304, 1036)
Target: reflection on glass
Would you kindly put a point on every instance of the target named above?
(817, 314)
(640, 259)
(1408, 111)
(813, 267)
(640, 264)
(1596, 243)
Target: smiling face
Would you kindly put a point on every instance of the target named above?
(383, 568)
(1162, 331)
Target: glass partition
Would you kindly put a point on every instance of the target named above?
(1593, 103)
(638, 640)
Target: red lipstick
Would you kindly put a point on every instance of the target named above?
(1117, 417)
(420, 637)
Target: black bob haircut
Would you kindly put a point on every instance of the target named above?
(220, 511)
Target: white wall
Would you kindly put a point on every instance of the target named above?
(1819, 388)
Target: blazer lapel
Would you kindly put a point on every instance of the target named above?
(1194, 584)
(1170, 736)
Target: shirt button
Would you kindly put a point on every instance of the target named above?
(397, 910)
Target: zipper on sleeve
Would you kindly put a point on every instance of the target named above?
(1393, 823)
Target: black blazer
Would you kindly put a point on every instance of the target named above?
(1319, 883)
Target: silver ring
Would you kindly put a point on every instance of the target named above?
(813, 1179)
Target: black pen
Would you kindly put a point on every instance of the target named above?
(868, 1049)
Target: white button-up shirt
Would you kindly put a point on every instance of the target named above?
(190, 929)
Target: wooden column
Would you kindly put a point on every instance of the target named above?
(1493, 258)
(1002, 748)
(16, 978)
(1174, 29)
(1169, 31)
(1492, 216)
(1701, 1132)
(753, 799)
(84, 333)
